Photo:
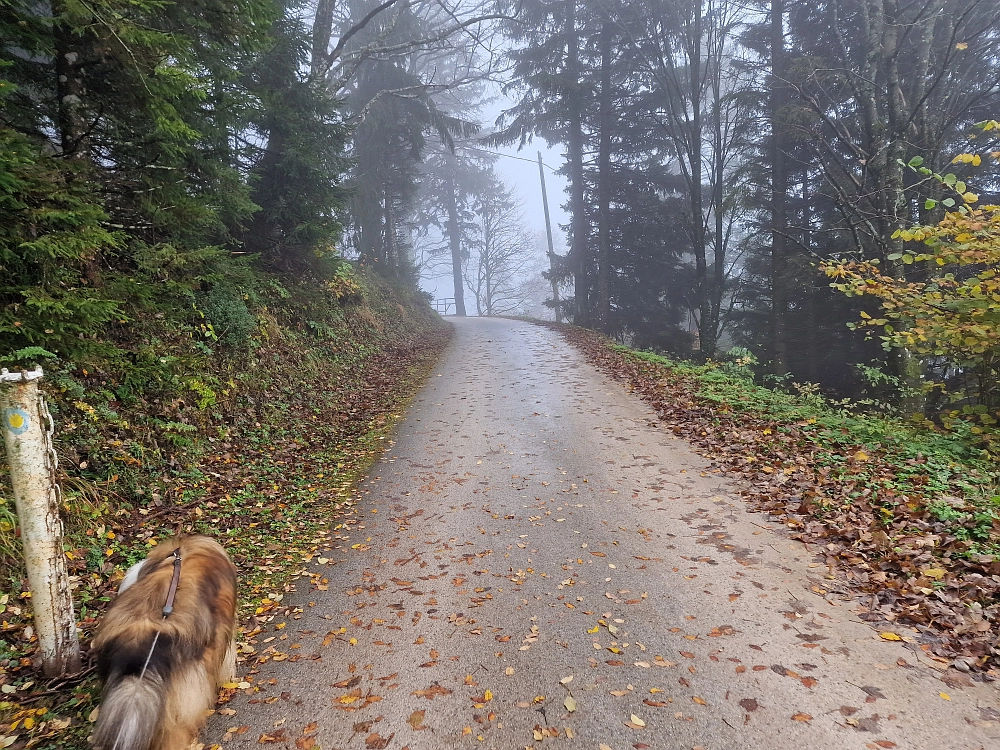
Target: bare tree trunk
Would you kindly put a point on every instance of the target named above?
(779, 189)
(604, 185)
(706, 336)
(455, 241)
(321, 32)
(578, 245)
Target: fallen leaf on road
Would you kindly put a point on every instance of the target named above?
(375, 741)
(749, 704)
(570, 703)
(801, 717)
(945, 696)
(416, 720)
(635, 722)
(566, 680)
(432, 692)
(887, 636)
(699, 701)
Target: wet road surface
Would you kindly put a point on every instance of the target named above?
(536, 564)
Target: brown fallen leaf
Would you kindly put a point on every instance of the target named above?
(305, 743)
(749, 704)
(349, 683)
(809, 682)
(375, 741)
(804, 717)
(655, 704)
(699, 701)
(432, 692)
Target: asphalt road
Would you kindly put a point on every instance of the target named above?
(536, 564)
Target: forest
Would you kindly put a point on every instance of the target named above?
(742, 176)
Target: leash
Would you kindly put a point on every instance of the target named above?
(168, 606)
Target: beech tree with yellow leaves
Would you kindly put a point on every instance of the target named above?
(952, 310)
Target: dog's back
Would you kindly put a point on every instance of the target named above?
(155, 697)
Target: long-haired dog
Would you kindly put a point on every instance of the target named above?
(162, 667)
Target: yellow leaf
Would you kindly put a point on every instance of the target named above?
(962, 45)
(566, 680)
(887, 636)
(570, 703)
(636, 720)
(699, 701)
(353, 641)
(861, 456)
(488, 695)
(945, 696)
(936, 573)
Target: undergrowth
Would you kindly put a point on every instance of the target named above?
(956, 478)
(253, 428)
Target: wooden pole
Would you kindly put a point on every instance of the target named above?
(27, 431)
(548, 236)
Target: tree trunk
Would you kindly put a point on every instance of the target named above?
(70, 88)
(706, 336)
(321, 31)
(604, 188)
(779, 190)
(908, 366)
(578, 243)
(455, 241)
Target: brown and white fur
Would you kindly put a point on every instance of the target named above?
(166, 707)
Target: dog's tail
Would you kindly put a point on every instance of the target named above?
(129, 711)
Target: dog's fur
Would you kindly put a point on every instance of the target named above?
(195, 653)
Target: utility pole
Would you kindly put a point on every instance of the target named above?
(27, 430)
(548, 236)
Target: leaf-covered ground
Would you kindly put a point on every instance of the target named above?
(906, 516)
(271, 476)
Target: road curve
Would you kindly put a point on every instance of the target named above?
(531, 524)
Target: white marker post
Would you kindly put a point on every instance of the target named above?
(27, 430)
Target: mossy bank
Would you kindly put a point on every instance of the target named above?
(249, 416)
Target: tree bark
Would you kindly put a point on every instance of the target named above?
(706, 336)
(70, 87)
(321, 32)
(578, 242)
(27, 431)
(604, 183)
(779, 190)
(455, 242)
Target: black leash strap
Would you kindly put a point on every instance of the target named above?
(168, 607)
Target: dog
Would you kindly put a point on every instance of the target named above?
(162, 656)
